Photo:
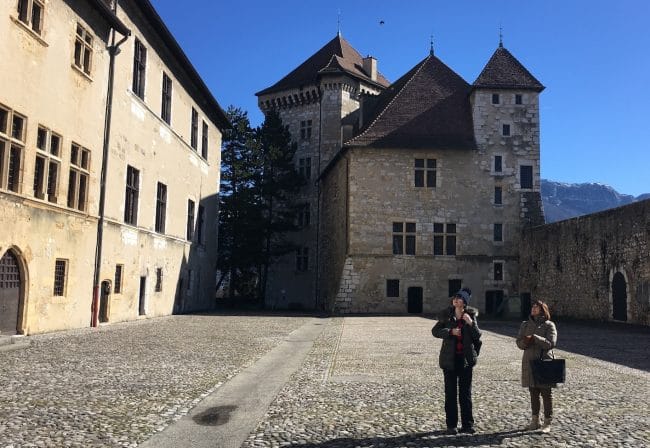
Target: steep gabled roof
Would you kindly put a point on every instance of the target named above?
(336, 56)
(504, 71)
(428, 107)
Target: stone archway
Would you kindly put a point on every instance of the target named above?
(619, 297)
(11, 286)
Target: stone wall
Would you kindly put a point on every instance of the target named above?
(571, 264)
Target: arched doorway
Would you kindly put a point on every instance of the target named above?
(619, 297)
(10, 283)
(105, 293)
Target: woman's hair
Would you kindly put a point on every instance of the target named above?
(544, 308)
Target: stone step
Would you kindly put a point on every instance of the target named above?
(13, 342)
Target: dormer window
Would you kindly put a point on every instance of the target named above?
(495, 98)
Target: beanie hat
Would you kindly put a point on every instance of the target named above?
(463, 295)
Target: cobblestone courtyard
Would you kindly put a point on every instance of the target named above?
(367, 382)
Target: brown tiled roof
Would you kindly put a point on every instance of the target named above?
(427, 107)
(336, 56)
(504, 71)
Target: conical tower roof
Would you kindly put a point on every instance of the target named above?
(504, 71)
(428, 107)
(336, 56)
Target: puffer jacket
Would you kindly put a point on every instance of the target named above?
(544, 339)
(471, 335)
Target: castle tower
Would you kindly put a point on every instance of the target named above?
(319, 101)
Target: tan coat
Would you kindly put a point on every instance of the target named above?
(544, 338)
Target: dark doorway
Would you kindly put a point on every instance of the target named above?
(525, 304)
(494, 303)
(619, 297)
(103, 301)
(143, 289)
(9, 293)
(414, 300)
(454, 286)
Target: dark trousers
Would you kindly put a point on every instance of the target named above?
(458, 388)
(547, 396)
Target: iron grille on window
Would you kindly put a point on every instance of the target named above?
(161, 207)
(59, 277)
(131, 196)
(119, 271)
(190, 220)
(139, 68)
(166, 107)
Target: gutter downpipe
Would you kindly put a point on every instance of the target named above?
(113, 50)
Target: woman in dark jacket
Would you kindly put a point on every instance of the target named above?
(536, 337)
(461, 342)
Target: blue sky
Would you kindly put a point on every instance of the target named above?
(593, 56)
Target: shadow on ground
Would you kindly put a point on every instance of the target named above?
(423, 439)
(623, 344)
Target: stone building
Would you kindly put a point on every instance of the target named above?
(417, 187)
(96, 92)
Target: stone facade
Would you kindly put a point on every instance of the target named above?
(49, 208)
(592, 267)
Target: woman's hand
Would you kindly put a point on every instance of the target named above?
(455, 331)
(468, 320)
(528, 340)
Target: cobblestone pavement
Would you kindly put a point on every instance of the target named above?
(368, 382)
(117, 385)
(375, 382)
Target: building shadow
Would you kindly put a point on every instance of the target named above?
(421, 440)
(624, 344)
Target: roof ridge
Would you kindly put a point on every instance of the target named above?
(380, 114)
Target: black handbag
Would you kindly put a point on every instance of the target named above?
(548, 371)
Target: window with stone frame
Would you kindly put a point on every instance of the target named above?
(404, 238)
(204, 141)
(392, 288)
(497, 230)
(425, 173)
(83, 49)
(498, 164)
(60, 277)
(161, 207)
(495, 98)
(305, 129)
(166, 99)
(79, 177)
(304, 167)
(139, 68)
(497, 274)
(119, 278)
(159, 280)
(302, 259)
(31, 12)
(47, 165)
(505, 130)
(526, 176)
(444, 238)
(518, 98)
(194, 130)
(131, 195)
(12, 149)
(498, 195)
(189, 235)
(304, 215)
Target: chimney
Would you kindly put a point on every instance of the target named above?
(370, 67)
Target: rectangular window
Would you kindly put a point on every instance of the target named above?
(166, 106)
(304, 167)
(190, 220)
(305, 130)
(498, 195)
(404, 238)
(444, 238)
(60, 274)
(302, 259)
(425, 170)
(304, 215)
(79, 175)
(495, 98)
(119, 274)
(526, 176)
(498, 164)
(204, 141)
(12, 138)
(30, 12)
(161, 207)
(498, 232)
(506, 130)
(46, 167)
(83, 49)
(131, 196)
(518, 98)
(498, 271)
(139, 68)
(392, 288)
(194, 132)
(200, 225)
(159, 279)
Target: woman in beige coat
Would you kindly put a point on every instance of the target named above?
(536, 337)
